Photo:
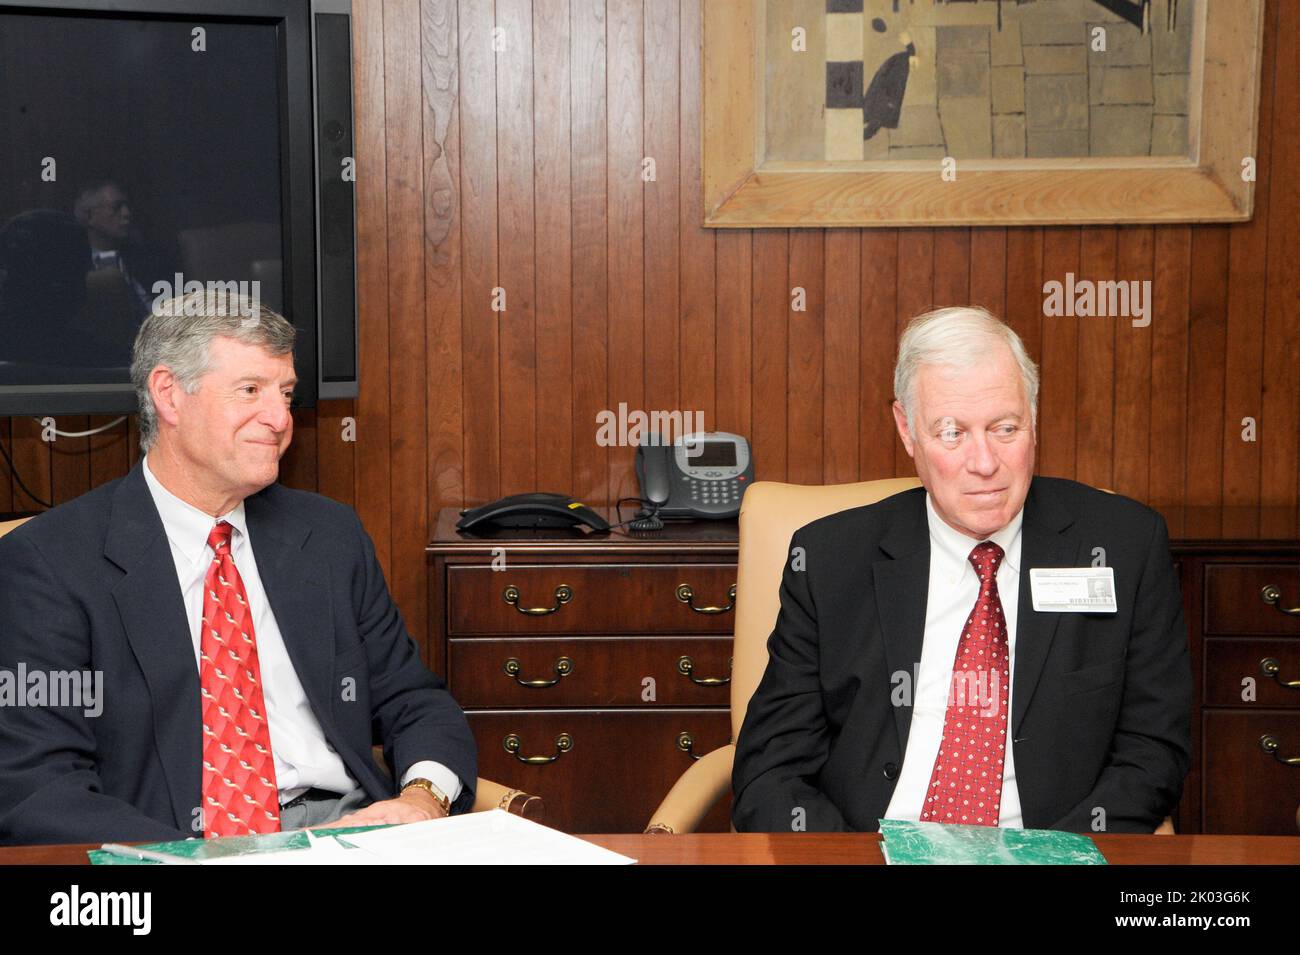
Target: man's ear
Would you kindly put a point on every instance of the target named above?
(163, 387)
(900, 421)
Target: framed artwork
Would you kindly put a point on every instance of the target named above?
(979, 112)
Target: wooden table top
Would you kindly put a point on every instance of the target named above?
(723, 848)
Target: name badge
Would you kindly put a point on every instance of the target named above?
(1073, 589)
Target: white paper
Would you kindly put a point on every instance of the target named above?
(495, 837)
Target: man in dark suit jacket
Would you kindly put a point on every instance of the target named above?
(92, 586)
(872, 609)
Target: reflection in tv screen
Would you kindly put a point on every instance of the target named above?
(138, 156)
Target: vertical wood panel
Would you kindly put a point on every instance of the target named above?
(806, 369)
(842, 382)
(590, 257)
(735, 322)
(770, 383)
(1095, 397)
(70, 459)
(624, 30)
(407, 369)
(1207, 331)
(480, 272)
(372, 436)
(1280, 426)
(6, 474)
(915, 271)
(1169, 364)
(1136, 251)
(442, 289)
(988, 270)
(298, 466)
(553, 243)
(1058, 413)
(877, 332)
(515, 171)
(698, 253)
(952, 279)
(662, 84)
(1024, 304)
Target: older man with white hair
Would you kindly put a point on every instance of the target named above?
(992, 649)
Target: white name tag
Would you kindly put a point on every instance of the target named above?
(1073, 589)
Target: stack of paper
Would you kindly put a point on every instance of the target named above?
(935, 843)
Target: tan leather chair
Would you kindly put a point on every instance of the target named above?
(770, 513)
(487, 794)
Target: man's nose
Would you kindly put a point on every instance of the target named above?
(276, 413)
(980, 456)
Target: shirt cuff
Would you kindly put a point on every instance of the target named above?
(436, 773)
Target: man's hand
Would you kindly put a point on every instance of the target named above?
(413, 805)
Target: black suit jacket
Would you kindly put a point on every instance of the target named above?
(91, 585)
(1100, 705)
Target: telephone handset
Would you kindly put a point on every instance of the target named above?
(700, 475)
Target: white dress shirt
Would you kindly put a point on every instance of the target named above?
(953, 589)
(303, 756)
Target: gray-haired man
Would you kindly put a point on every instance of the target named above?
(251, 654)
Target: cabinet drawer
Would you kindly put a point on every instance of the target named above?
(1272, 664)
(590, 671)
(1234, 601)
(616, 769)
(1247, 790)
(567, 599)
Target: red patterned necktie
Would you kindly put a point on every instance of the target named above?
(239, 791)
(966, 785)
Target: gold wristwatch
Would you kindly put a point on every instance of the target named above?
(438, 795)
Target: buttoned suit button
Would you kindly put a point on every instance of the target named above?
(891, 771)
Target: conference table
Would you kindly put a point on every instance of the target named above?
(837, 849)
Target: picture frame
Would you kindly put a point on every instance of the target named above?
(1214, 182)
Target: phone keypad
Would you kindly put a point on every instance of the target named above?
(714, 494)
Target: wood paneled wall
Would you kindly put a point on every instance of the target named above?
(520, 169)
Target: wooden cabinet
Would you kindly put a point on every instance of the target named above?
(595, 667)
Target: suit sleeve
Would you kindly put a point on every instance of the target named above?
(50, 790)
(412, 714)
(785, 739)
(1151, 747)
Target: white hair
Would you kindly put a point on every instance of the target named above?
(961, 338)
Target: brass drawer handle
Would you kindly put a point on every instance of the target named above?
(686, 667)
(512, 743)
(563, 594)
(686, 743)
(1271, 745)
(563, 667)
(1273, 597)
(686, 595)
(1271, 667)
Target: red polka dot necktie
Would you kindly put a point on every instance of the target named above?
(240, 795)
(966, 785)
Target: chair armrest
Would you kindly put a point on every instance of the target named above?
(694, 793)
(490, 795)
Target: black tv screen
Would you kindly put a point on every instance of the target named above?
(146, 152)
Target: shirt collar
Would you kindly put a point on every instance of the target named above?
(955, 547)
(187, 527)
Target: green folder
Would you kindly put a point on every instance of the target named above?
(200, 850)
(936, 843)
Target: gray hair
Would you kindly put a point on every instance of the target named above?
(178, 334)
(960, 337)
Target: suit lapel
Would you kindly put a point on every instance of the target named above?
(902, 585)
(1048, 540)
(295, 577)
(152, 612)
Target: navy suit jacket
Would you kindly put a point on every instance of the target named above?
(91, 586)
(1101, 702)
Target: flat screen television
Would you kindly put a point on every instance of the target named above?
(148, 147)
